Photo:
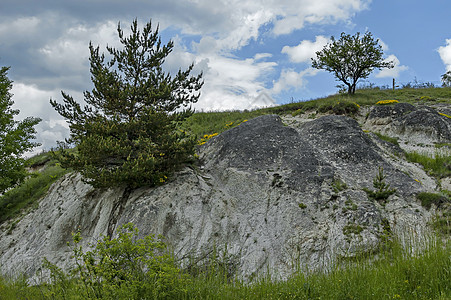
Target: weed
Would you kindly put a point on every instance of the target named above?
(302, 205)
(338, 186)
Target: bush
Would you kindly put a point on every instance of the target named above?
(122, 268)
(340, 108)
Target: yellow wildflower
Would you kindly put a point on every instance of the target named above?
(442, 114)
(384, 102)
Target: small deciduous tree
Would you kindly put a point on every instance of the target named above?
(351, 58)
(127, 134)
(446, 79)
(15, 137)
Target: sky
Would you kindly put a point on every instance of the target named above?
(251, 53)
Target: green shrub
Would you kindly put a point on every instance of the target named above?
(338, 186)
(122, 268)
(339, 108)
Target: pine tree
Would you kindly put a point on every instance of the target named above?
(15, 137)
(127, 134)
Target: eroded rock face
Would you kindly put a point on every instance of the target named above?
(273, 196)
(421, 124)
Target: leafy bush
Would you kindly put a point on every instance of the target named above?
(122, 268)
(340, 108)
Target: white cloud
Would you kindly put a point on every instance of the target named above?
(34, 102)
(383, 45)
(70, 51)
(232, 83)
(12, 31)
(445, 54)
(292, 79)
(305, 50)
(394, 72)
(292, 15)
(259, 56)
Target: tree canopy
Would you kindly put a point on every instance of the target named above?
(15, 137)
(351, 58)
(127, 133)
(446, 79)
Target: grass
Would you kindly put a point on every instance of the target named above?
(18, 199)
(427, 199)
(202, 123)
(387, 138)
(396, 274)
(438, 166)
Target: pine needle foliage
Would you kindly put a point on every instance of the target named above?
(127, 134)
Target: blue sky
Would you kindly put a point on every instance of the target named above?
(244, 48)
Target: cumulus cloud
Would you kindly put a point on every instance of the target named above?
(291, 79)
(232, 83)
(305, 50)
(34, 102)
(394, 72)
(445, 54)
(293, 15)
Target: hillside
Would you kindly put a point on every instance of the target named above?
(277, 192)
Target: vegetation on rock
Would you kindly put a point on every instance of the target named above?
(383, 190)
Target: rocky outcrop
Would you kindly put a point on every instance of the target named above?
(412, 124)
(269, 196)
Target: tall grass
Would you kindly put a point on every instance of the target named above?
(397, 273)
(438, 166)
